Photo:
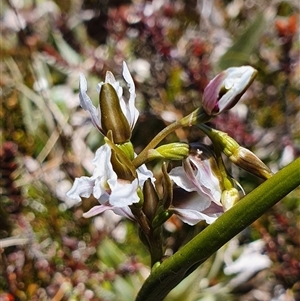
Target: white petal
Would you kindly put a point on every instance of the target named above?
(190, 200)
(132, 114)
(236, 81)
(86, 103)
(192, 217)
(207, 181)
(125, 211)
(123, 193)
(226, 99)
(96, 210)
(82, 187)
(179, 176)
(192, 208)
(110, 79)
(103, 171)
(144, 174)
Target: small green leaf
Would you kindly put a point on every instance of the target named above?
(238, 54)
(110, 254)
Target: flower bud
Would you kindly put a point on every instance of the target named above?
(247, 160)
(229, 198)
(171, 151)
(237, 154)
(167, 188)
(112, 117)
(161, 216)
(151, 200)
(122, 165)
(225, 90)
(127, 149)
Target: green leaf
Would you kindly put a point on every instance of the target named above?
(124, 288)
(238, 54)
(110, 254)
(70, 55)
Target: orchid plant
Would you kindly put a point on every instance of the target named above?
(200, 189)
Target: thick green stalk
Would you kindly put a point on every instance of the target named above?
(174, 269)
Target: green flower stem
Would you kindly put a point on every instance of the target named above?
(174, 269)
(196, 117)
(143, 156)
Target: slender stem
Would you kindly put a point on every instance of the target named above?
(196, 117)
(142, 157)
(156, 246)
(174, 269)
(149, 236)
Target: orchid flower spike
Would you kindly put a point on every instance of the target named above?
(225, 90)
(113, 113)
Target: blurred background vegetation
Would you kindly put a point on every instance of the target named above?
(173, 48)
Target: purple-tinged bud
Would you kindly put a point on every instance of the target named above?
(226, 89)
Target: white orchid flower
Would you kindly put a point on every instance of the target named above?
(203, 202)
(128, 107)
(112, 192)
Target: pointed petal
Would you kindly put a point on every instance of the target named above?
(110, 79)
(96, 210)
(103, 171)
(190, 200)
(192, 208)
(236, 82)
(179, 176)
(86, 103)
(192, 217)
(143, 174)
(211, 93)
(132, 114)
(125, 211)
(207, 182)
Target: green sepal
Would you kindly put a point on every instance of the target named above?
(112, 117)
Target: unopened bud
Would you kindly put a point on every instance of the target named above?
(237, 154)
(151, 200)
(247, 160)
(127, 149)
(167, 188)
(171, 151)
(122, 165)
(229, 198)
(226, 89)
(161, 216)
